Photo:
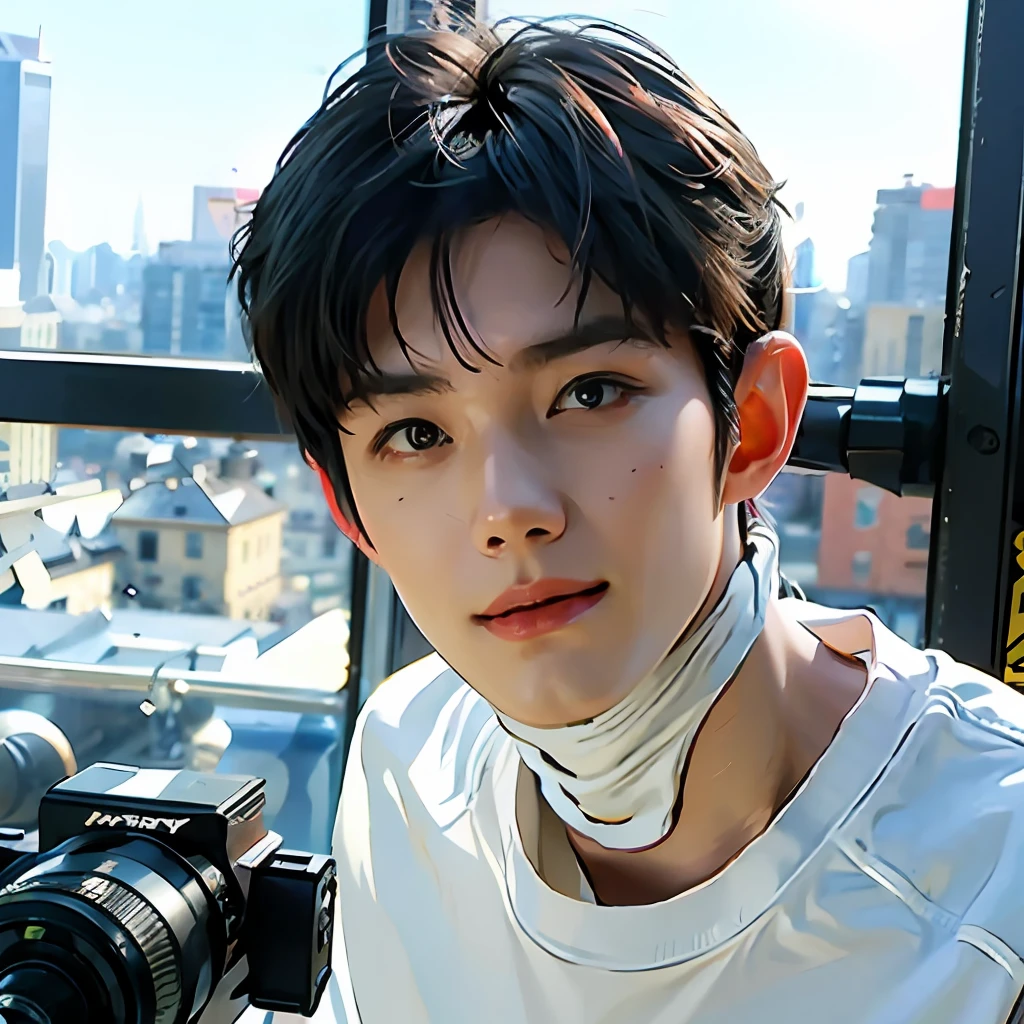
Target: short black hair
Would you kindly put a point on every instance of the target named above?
(582, 127)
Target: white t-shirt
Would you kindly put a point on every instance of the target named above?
(888, 890)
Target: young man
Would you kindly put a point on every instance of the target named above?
(520, 298)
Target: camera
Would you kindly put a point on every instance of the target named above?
(159, 897)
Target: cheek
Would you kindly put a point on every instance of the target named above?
(650, 483)
(415, 530)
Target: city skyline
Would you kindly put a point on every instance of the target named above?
(840, 104)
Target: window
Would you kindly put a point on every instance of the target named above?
(124, 549)
(865, 513)
(918, 537)
(149, 542)
(861, 566)
(132, 255)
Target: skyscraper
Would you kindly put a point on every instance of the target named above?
(139, 242)
(24, 146)
(188, 308)
(909, 253)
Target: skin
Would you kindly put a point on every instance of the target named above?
(539, 475)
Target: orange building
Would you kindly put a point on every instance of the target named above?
(873, 541)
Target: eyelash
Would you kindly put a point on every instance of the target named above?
(592, 378)
(393, 429)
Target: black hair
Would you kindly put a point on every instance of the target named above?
(580, 126)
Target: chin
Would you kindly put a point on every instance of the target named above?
(563, 692)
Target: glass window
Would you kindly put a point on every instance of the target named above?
(918, 537)
(149, 545)
(123, 248)
(860, 566)
(865, 513)
(137, 573)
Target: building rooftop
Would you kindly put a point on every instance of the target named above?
(130, 636)
(214, 502)
(18, 48)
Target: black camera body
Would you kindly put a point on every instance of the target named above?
(149, 886)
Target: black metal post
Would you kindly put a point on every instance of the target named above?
(974, 574)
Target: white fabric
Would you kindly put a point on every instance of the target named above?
(616, 778)
(889, 889)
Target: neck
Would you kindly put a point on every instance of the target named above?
(760, 739)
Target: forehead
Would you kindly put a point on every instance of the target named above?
(513, 285)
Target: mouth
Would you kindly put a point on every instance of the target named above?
(540, 608)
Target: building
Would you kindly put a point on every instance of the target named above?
(12, 312)
(816, 318)
(897, 290)
(32, 450)
(903, 341)
(81, 571)
(41, 327)
(24, 153)
(188, 307)
(216, 212)
(874, 551)
(140, 244)
(857, 279)
(29, 450)
(201, 544)
(183, 306)
(908, 260)
(97, 274)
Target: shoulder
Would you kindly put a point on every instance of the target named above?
(978, 699)
(425, 734)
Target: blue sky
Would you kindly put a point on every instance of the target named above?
(149, 99)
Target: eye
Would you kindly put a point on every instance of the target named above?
(591, 393)
(411, 437)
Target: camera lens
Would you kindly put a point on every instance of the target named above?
(111, 930)
(39, 993)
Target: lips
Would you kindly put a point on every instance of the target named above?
(525, 613)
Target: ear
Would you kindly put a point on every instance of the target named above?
(347, 527)
(770, 397)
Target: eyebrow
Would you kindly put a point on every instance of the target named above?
(599, 331)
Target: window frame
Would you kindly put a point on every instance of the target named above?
(978, 509)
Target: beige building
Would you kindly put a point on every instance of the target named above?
(32, 451)
(82, 574)
(80, 571)
(32, 447)
(212, 547)
(902, 341)
(41, 326)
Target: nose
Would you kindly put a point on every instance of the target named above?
(517, 509)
